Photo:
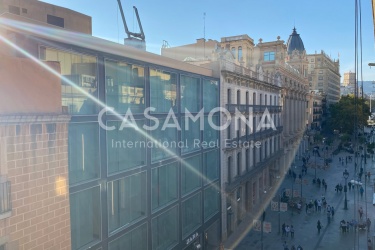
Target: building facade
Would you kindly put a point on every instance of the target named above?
(249, 150)
(324, 75)
(133, 180)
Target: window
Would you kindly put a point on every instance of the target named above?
(234, 52)
(79, 75)
(238, 164)
(210, 134)
(127, 201)
(211, 165)
(14, 10)
(167, 140)
(135, 239)
(191, 214)
(269, 56)
(230, 169)
(83, 146)
(210, 95)
(164, 229)
(24, 11)
(126, 147)
(191, 170)
(163, 94)
(211, 201)
(164, 185)
(190, 94)
(85, 217)
(125, 86)
(320, 78)
(54, 20)
(240, 54)
(189, 134)
(229, 99)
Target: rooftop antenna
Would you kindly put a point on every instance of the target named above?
(136, 40)
(204, 34)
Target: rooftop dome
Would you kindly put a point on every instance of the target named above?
(295, 42)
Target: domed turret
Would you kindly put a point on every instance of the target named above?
(295, 42)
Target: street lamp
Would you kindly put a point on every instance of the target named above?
(345, 174)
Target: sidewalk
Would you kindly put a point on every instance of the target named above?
(306, 233)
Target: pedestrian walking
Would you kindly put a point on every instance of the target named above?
(361, 190)
(325, 187)
(319, 205)
(291, 231)
(316, 205)
(299, 247)
(360, 211)
(350, 185)
(283, 229)
(287, 230)
(332, 211)
(368, 222)
(369, 244)
(285, 246)
(293, 247)
(328, 217)
(318, 226)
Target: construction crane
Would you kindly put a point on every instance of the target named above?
(136, 40)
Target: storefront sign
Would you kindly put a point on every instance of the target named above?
(267, 227)
(192, 238)
(283, 206)
(274, 206)
(256, 225)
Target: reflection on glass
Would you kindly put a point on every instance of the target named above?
(191, 214)
(127, 201)
(210, 95)
(165, 230)
(163, 91)
(164, 185)
(79, 69)
(211, 165)
(83, 146)
(211, 201)
(190, 94)
(210, 134)
(126, 147)
(85, 217)
(135, 240)
(191, 171)
(125, 86)
(190, 135)
(165, 142)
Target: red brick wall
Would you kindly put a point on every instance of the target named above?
(36, 163)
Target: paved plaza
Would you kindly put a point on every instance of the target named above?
(306, 233)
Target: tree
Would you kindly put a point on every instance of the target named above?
(344, 113)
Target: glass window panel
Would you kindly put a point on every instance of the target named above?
(211, 201)
(83, 146)
(165, 142)
(210, 95)
(211, 165)
(190, 94)
(191, 214)
(85, 217)
(126, 148)
(165, 230)
(164, 187)
(191, 172)
(163, 92)
(125, 86)
(210, 134)
(127, 201)
(134, 240)
(190, 136)
(80, 79)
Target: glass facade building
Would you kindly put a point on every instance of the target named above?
(139, 180)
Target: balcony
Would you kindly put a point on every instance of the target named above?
(5, 200)
(241, 179)
(257, 136)
(246, 108)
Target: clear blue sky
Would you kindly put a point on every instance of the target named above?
(323, 25)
